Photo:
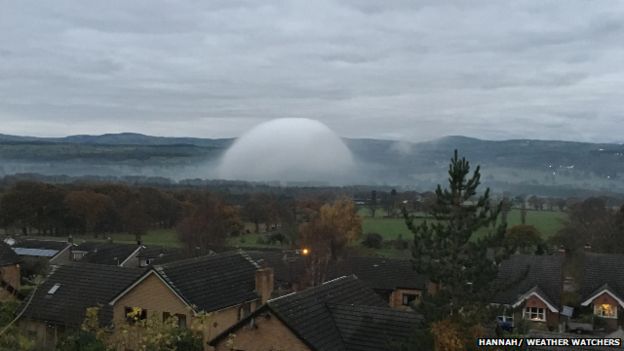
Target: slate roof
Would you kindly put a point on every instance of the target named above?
(367, 328)
(161, 254)
(379, 273)
(287, 267)
(105, 253)
(80, 285)
(212, 282)
(308, 315)
(521, 273)
(7, 256)
(600, 270)
(343, 314)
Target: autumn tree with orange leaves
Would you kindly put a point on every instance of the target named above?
(326, 236)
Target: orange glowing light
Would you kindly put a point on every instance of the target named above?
(305, 251)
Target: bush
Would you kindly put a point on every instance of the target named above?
(400, 243)
(275, 238)
(260, 240)
(373, 241)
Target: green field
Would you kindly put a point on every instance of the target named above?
(547, 222)
(160, 237)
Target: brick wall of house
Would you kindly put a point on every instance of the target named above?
(11, 275)
(552, 318)
(396, 297)
(154, 296)
(268, 333)
(611, 323)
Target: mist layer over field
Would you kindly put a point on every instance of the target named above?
(288, 149)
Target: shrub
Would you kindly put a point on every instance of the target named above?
(400, 243)
(373, 241)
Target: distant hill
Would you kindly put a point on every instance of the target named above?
(516, 165)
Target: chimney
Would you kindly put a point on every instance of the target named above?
(264, 283)
(70, 239)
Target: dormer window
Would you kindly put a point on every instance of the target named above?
(144, 262)
(78, 255)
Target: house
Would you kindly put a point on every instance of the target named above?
(9, 272)
(288, 268)
(59, 304)
(602, 288)
(54, 251)
(104, 253)
(226, 287)
(531, 286)
(343, 314)
(154, 255)
(395, 280)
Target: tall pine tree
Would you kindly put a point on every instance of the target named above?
(455, 250)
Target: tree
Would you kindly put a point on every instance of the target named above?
(372, 205)
(373, 241)
(88, 207)
(151, 334)
(591, 222)
(523, 213)
(11, 337)
(209, 225)
(257, 209)
(523, 238)
(327, 234)
(505, 208)
(135, 219)
(449, 252)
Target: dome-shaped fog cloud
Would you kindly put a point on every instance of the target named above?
(288, 149)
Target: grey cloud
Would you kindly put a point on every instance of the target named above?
(393, 69)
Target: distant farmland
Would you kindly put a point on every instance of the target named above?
(547, 222)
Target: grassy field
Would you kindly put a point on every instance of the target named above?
(160, 237)
(547, 222)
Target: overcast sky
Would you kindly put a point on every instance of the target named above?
(409, 70)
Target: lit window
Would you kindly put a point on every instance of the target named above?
(535, 314)
(134, 314)
(605, 310)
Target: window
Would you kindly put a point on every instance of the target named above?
(535, 314)
(54, 288)
(181, 318)
(605, 310)
(244, 311)
(135, 314)
(78, 255)
(409, 298)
